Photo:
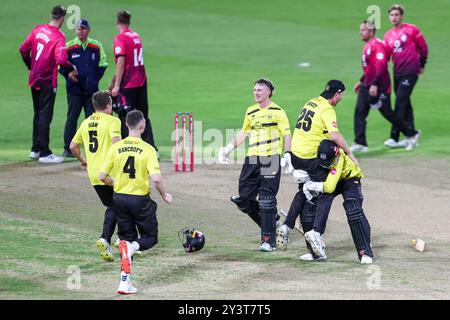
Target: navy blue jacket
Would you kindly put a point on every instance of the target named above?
(90, 60)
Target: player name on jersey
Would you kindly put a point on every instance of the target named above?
(43, 36)
(311, 104)
(130, 149)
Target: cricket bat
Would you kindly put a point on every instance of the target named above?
(297, 226)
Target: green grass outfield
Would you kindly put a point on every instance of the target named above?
(203, 56)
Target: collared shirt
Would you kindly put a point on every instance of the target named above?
(267, 127)
(90, 60)
(408, 48)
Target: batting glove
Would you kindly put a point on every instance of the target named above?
(300, 176)
(286, 163)
(224, 154)
(312, 189)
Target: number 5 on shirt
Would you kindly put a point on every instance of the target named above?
(305, 120)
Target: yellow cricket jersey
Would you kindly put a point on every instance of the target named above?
(130, 162)
(266, 127)
(96, 133)
(345, 169)
(315, 123)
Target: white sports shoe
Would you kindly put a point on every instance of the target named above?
(309, 257)
(413, 141)
(266, 247)
(104, 249)
(34, 155)
(391, 143)
(282, 237)
(51, 159)
(315, 240)
(366, 260)
(358, 148)
(125, 286)
(403, 143)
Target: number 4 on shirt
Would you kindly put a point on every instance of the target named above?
(129, 167)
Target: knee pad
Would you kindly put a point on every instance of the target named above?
(353, 209)
(359, 226)
(308, 212)
(267, 199)
(355, 214)
(307, 216)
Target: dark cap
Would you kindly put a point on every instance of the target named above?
(332, 87)
(327, 153)
(83, 23)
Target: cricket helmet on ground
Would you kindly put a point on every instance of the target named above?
(192, 239)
